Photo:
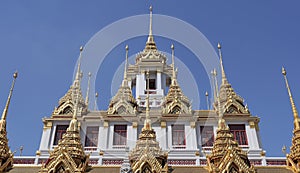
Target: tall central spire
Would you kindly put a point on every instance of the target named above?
(150, 44)
(295, 112)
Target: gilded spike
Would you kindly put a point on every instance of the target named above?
(224, 79)
(4, 114)
(150, 42)
(294, 109)
(88, 89)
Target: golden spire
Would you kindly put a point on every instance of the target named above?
(76, 82)
(174, 78)
(150, 42)
(124, 83)
(294, 109)
(96, 99)
(4, 114)
(215, 86)
(224, 79)
(88, 89)
(207, 101)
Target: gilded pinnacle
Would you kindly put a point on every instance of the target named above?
(206, 93)
(283, 71)
(15, 74)
(172, 46)
(126, 47)
(150, 8)
(81, 48)
(219, 46)
(96, 94)
(89, 74)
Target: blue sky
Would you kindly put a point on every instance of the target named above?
(41, 40)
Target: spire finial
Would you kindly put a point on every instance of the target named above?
(294, 109)
(88, 90)
(224, 79)
(207, 101)
(215, 86)
(4, 114)
(76, 83)
(96, 98)
(174, 79)
(150, 42)
(126, 62)
(150, 25)
(147, 124)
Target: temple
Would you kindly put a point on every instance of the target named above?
(154, 130)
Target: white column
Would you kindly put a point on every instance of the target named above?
(163, 137)
(252, 138)
(191, 141)
(131, 136)
(103, 137)
(44, 145)
(169, 137)
(158, 83)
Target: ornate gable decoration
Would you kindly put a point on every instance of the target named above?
(293, 159)
(66, 104)
(6, 157)
(226, 155)
(175, 102)
(69, 154)
(123, 102)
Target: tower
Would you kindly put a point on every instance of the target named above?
(147, 156)
(293, 159)
(6, 157)
(68, 155)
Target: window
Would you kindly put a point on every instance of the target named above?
(178, 135)
(207, 136)
(60, 130)
(152, 84)
(91, 138)
(239, 133)
(120, 135)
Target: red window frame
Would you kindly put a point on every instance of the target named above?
(91, 137)
(60, 130)
(207, 136)
(239, 133)
(120, 135)
(178, 135)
